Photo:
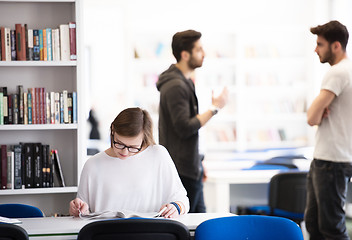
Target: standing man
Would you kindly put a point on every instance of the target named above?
(179, 120)
(331, 111)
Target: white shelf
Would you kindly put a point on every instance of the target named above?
(21, 127)
(30, 191)
(38, 63)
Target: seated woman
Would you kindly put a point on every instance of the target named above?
(134, 174)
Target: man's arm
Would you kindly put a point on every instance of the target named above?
(319, 107)
(218, 102)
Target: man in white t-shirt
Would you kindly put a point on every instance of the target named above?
(331, 111)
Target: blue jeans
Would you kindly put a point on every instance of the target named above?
(194, 190)
(326, 196)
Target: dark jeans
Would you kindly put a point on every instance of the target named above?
(194, 190)
(326, 196)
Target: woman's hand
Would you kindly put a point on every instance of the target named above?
(170, 211)
(78, 206)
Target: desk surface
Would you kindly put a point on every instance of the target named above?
(69, 226)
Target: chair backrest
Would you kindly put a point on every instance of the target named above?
(12, 232)
(253, 227)
(287, 194)
(134, 229)
(16, 210)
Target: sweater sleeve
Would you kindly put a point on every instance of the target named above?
(177, 101)
(173, 189)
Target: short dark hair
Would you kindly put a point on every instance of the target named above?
(184, 41)
(130, 122)
(332, 31)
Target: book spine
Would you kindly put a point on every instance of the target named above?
(19, 46)
(25, 108)
(29, 103)
(72, 30)
(57, 108)
(34, 113)
(37, 105)
(13, 45)
(49, 44)
(5, 105)
(20, 106)
(45, 45)
(74, 107)
(18, 167)
(45, 172)
(47, 106)
(10, 108)
(62, 108)
(41, 45)
(30, 45)
(1, 107)
(3, 51)
(52, 107)
(28, 165)
(15, 106)
(37, 157)
(65, 97)
(8, 44)
(58, 170)
(36, 50)
(3, 166)
(65, 42)
(69, 107)
(10, 160)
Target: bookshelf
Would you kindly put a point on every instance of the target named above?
(268, 85)
(53, 76)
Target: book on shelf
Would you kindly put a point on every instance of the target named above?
(17, 166)
(41, 45)
(65, 42)
(36, 50)
(72, 31)
(59, 180)
(5, 44)
(20, 104)
(13, 45)
(3, 156)
(20, 42)
(30, 44)
(1, 107)
(69, 107)
(65, 101)
(45, 45)
(10, 168)
(56, 44)
(74, 107)
(49, 44)
(15, 105)
(29, 104)
(10, 108)
(38, 168)
(28, 165)
(5, 105)
(25, 107)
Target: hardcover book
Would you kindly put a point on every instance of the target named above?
(72, 30)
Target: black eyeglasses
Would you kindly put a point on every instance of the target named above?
(121, 146)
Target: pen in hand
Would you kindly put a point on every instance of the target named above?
(160, 212)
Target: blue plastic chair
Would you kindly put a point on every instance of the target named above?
(252, 227)
(16, 210)
(12, 232)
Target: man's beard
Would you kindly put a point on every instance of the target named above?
(329, 57)
(193, 63)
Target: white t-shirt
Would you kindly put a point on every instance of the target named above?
(334, 134)
(140, 183)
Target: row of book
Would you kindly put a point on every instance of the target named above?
(30, 165)
(48, 44)
(37, 106)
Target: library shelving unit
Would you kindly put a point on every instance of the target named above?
(267, 83)
(53, 76)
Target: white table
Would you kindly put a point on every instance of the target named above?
(68, 227)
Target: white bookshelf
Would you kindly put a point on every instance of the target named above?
(53, 76)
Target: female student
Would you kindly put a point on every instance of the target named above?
(134, 174)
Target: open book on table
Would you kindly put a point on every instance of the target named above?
(122, 214)
(9, 220)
